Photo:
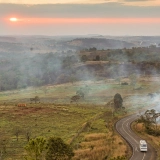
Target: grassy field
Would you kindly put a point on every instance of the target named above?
(87, 125)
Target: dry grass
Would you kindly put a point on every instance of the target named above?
(120, 147)
(56, 117)
(98, 146)
(140, 128)
(95, 136)
(94, 147)
(91, 154)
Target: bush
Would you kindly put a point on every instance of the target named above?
(58, 150)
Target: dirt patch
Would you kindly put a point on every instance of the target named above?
(23, 111)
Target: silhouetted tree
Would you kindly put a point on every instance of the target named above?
(35, 148)
(58, 150)
(118, 101)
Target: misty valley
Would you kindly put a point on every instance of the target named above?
(69, 92)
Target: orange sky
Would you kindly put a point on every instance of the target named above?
(85, 20)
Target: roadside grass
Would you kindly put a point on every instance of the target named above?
(100, 146)
(153, 140)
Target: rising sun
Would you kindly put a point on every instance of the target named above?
(13, 19)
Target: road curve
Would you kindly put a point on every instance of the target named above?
(123, 127)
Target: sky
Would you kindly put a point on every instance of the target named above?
(80, 17)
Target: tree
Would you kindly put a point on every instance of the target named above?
(58, 150)
(93, 49)
(97, 58)
(84, 91)
(75, 98)
(80, 93)
(149, 119)
(36, 99)
(84, 58)
(35, 149)
(118, 101)
(27, 133)
(16, 131)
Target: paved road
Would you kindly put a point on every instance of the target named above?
(124, 129)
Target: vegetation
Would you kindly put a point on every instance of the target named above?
(52, 149)
(35, 149)
(147, 128)
(99, 82)
(149, 119)
(22, 70)
(119, 158)
(58, 150)
(118, 101)
(87, 125)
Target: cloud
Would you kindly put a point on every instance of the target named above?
(79, 11)
(56, 1)
(142, 3)
(125, 2)
(138, 0)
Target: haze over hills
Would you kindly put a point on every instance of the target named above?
(42, 60)
(45, 44)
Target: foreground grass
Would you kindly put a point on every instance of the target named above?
(42, 120)
(89, 129)
(88, 126)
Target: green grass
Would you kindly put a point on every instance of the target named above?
(50, 120)
(55, 116)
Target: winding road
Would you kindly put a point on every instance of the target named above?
(124, 129)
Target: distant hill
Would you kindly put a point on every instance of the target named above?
(45, 44)
(100, 43)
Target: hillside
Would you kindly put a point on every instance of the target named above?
(100, 43)
(42, 60)
(46, 44)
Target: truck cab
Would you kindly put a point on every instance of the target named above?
(143, 145)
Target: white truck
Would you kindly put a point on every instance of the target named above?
(143, 145)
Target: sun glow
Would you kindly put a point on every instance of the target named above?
(89, 20)
(84, 20)
(13, 19)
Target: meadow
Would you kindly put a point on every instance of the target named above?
(87, 125)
